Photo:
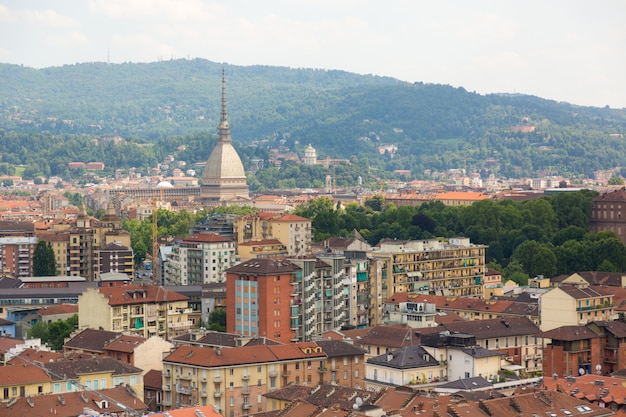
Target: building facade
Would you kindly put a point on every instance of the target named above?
(609, 213)
(200, 259)
(143, 310)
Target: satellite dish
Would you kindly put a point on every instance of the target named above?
(358, 401)
(581, 371)
(355, 406)
(599, 369)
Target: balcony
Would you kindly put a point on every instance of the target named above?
(183, 390)
(186, 377)
(203, 394)
(273, 373)
(167, 387)
(321, 370)
(218, 394)
(217, 378)
(246, 406)
(203, 379)
(245, 390)
(245, 377)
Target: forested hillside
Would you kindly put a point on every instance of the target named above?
(50, 116)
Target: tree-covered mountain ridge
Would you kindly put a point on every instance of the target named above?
(343, 115)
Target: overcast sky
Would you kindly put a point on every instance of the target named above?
(565, 50)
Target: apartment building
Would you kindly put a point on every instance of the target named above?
(115, 257)
(293, 231)
(453, 267)
(143, 310)
(260, 298)
(235, 379)
(577, 304)
(200, 259)
(77, 243)
(16, 255)
(321, 296)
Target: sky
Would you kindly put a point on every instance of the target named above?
(563, 50)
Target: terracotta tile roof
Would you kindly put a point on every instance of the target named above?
(33, 355)
(579, 293)
(207, 238)
(264, 266)
(569, 333)
(291, 218)
(52, 310)
(139, 294)
(90, 340)
(289, 393)
(206, 410)
(207, 357)
(125, 343)
(79, 364)
(7, 343)
(257, 341)
(72, 404)
(462, 195)
(325, 395)
(21, 374)
(543, 403)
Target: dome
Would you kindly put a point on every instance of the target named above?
(164, 184)
(224, 163)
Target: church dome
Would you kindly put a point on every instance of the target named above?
(164, 184)
(224, 162)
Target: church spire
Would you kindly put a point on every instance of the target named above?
(223, 130)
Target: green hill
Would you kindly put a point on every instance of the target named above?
(50, 115)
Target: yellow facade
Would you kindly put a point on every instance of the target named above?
(453, 268)
(559, 308)
(164, 319)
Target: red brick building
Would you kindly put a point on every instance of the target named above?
(609, 213)
(574, 350)
(259, 298)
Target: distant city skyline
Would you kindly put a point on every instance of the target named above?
(573, 51)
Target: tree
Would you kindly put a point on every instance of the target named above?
(55, 333)
(44, 262)
(616, 180)
(217, 320)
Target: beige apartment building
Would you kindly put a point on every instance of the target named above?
(143, 310)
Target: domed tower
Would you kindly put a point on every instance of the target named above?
(224, 178)
(310, 155)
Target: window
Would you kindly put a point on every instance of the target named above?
(356, 359)
(356, 373)
(56, 389)
(258, 382)
(345, 374)
(231, 371)
(231, 401)
(345, 360)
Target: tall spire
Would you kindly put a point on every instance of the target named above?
(224, 117)
(223, 130)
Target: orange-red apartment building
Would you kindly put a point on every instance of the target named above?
(260, 297)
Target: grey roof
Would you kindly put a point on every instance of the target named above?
(405, 358)
(469, 384)
(480, 352)
(338, 348)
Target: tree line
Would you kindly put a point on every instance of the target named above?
(546, 236)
